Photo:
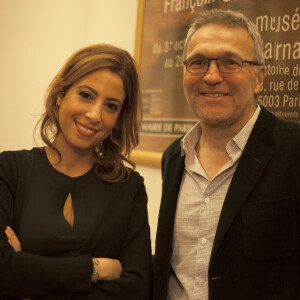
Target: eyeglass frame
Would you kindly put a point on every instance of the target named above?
(251, 62)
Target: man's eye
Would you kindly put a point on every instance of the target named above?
(85, 95)
(230, 62)
(197, 62)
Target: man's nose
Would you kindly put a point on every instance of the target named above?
(213, 75)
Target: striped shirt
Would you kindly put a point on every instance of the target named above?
(198, 209)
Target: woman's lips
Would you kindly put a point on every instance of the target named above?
(85, 130)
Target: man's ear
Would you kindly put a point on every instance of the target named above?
(261, 72)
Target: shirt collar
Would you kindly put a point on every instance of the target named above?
(189, 141)
(234, 146)
(241, 138)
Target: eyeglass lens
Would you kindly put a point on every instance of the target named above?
(224, 64)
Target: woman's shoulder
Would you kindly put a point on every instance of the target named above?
(18, 156)
(14, 165)
(133, 181)
(133, 188)
(135, 176)
(19, 161)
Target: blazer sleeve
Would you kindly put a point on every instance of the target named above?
(24, 274)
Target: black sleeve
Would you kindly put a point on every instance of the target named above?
(24, 274)
(135, 282)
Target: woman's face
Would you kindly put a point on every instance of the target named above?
(88, 112)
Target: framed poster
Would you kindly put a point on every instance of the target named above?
(161, 30)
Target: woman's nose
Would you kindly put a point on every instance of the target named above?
(95, 112)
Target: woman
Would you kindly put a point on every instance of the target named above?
(79, 213)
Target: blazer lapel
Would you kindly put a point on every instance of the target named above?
(253, 161)
(173, 166)
(172, 172)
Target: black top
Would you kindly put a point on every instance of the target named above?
(110, 220)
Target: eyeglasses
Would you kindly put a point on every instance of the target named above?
(227, 65)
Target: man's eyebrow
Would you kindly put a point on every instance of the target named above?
(231, 54)
(224, 54)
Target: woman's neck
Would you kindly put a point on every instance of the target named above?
(72, 163)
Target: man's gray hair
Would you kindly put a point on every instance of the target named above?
(228, 18)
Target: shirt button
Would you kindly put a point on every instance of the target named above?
(206, 200)
(200, 281)
(203, 240)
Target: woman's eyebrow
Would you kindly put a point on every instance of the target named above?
(89, 88)
(115, 100)
(96, 94)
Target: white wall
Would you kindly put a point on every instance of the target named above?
(37, 36)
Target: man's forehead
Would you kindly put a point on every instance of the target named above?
(220, 38)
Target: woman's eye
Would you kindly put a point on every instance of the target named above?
(85, 95)
(112, 106)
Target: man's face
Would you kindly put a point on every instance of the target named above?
(222, 99)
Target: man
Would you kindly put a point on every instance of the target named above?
(229, 218)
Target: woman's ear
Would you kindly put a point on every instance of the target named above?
(59, 99)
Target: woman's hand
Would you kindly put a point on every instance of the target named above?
(12, 239)
(108, 268)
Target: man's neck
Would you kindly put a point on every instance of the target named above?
(211, 147)
(211, 153)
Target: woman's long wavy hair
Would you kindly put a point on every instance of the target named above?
(111, 153)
